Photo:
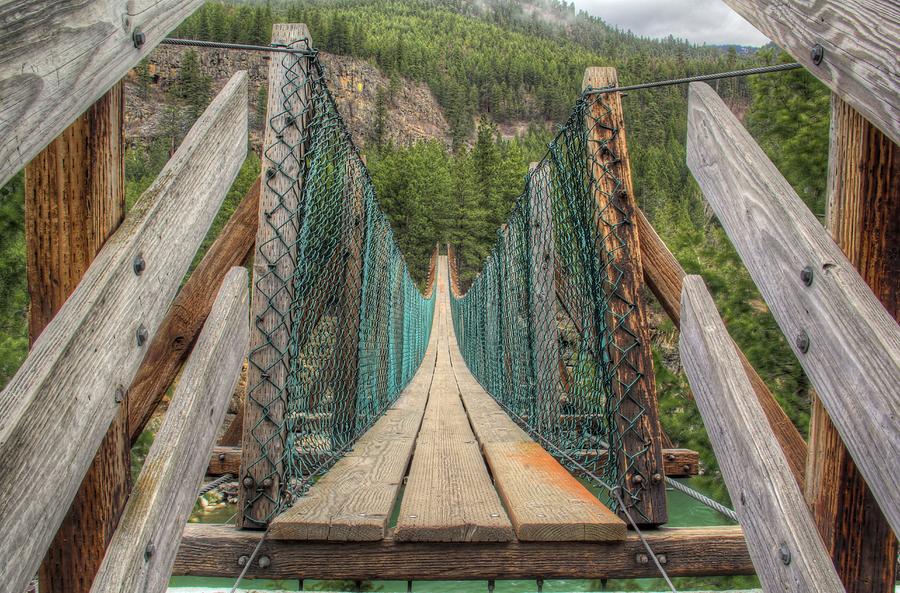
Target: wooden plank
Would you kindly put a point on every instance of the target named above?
(213, 550)
(177, 334)
(74, 201)
(143, 549)
(864, 220)
(640, 459)
(859, 42)
(851, 345)
(542, 299)
(355, 499)
(663, 274)
(58, 58)
(271, 296)
(91, 347)
(781, 535)
(449, 496)
(678, 463)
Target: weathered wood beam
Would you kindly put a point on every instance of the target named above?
(74, 201)
(637, 414)
(58, 58)
(143, 549)
(69, 389)
(781, 534)
(214, 550)
(274, 262)
(178, 332)
(846, 341)
(864, 220)
(663, 274)
(851, 46)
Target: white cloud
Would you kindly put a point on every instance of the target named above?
(698, 21)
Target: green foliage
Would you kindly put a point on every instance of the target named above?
(13, 296)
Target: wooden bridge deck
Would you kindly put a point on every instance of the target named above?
(449, 432)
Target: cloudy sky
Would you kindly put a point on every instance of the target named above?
(699, 21)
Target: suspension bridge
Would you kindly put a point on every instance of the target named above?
(394, 432)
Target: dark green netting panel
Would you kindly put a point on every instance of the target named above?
(545, 326)
(350, 326)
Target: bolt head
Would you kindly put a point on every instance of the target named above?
(141, 335)
(785, 554)
(265, 562)
(641, 559)
(637, 478)
(120, 394)
(138, 264)
(242, 561)
(248, 482)
(139, 38)
(663, 559)
(221, 457)
(806, 275)
(656, 478)
(267, 482)
(817, 54)
(150, 550)
(802, 342)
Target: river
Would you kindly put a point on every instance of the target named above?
(683, 512)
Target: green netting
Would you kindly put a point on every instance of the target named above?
(345, 325)
(546, 327)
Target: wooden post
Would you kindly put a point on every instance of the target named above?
(664, 275)
(74, 201)
(71, 387)
(272, 291)
(542, 299)
(864, 220)
(143, 550)
(846, 341)
(641, 457)
(781, 536)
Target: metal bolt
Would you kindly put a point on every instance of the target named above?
(641, 559)
(270, 173)
(138, 264)
(743, 498)
(248, 482)
(221, 457)
(807, 275)
(120, 394)
(540, 585)
(687, 468)
(656, 478)
(138, 37)
(785, 554)
(149, 551)
(265, 562)
(663, 559)
(637, 479)
(802, 342)
(817, 54)
(490, 586)
(141, 335)
(243, 560)
(670, 457)
(267, 483)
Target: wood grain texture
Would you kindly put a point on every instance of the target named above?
(860, 39)
(355, 499)
(637, 413)
(262, 443)
(74, 201)
(449, 496)
(58, 58)
(678, 463)
(853, 359)
(663, 274)
(781, 536)
(178, 332)
(63, 398)
(143, 549)
(213, 550)
(864, 220)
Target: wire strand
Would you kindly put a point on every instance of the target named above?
(698, 78)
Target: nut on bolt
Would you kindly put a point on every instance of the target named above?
(817, 54)
(138, 37)
(265, 562)
(641, 559)
(248, 482)
(141, 335)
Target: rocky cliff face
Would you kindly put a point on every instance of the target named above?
(412, 112)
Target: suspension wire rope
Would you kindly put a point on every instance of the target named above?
(698, 78)
(215, 484)
(238, 46)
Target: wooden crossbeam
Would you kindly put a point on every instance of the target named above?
(859, 47)
(781, 535)
(143, 549)
(94, 345)
(58, 58)
(663, 274)
(214, 550)
(842, 335)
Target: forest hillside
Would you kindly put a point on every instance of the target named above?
(451, 99)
